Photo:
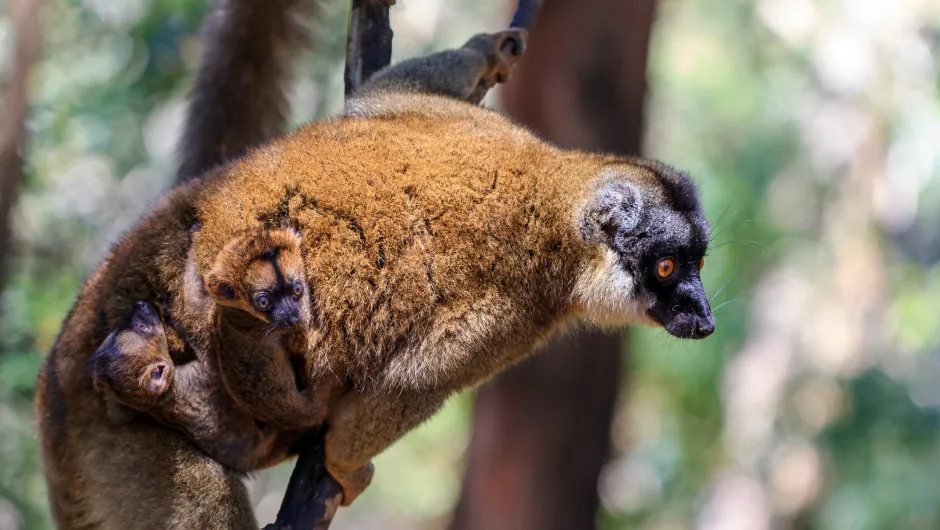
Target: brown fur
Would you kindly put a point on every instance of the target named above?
(442, 242)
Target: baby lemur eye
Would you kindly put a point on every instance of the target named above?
(262, 301)
(701, 264)
(665, 268)
(298, 288)
(146, 329)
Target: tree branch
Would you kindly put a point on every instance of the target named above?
(312, 496)
(25, 20)
(368, 41)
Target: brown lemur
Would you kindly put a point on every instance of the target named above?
(444, 244)
(451, 245)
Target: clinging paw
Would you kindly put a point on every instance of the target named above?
(353, 482)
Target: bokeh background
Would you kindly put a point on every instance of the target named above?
(813, 128)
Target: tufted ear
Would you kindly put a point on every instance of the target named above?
(614, 208)
(219, 287)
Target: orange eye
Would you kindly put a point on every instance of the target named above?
(665, 268)
(701, 264)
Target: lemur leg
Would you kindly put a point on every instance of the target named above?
(363, 425)
(465, 73)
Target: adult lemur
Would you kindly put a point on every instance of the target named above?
(441, 243)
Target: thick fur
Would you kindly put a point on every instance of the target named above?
(441, 242)
(443, 253)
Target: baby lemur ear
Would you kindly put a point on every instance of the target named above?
(219, 287)
(612, 209)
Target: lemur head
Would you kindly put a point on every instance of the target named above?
(134, 360)
(650, 235)
(262, 274)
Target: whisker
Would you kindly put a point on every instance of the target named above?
(725, 303)
(722, 288)
(269, 329)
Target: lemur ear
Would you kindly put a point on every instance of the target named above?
(612, 209)
(219, 287)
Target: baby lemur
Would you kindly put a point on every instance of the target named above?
(262, 299)
(443, 242)
(258, 283)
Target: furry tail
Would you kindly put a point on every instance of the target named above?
(238, 100)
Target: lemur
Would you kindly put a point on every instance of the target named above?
(444, 243)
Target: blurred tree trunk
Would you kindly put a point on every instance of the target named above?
(24, 18)
(541, 432)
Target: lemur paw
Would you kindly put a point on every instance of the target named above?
(502, 51)
(352, 482)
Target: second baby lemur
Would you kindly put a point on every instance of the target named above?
(441, 242)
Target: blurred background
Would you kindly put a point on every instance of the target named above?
(813, 129)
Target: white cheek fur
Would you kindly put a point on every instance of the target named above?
(605, 293)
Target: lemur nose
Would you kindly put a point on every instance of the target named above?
(704, 328)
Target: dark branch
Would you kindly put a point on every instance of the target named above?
(368, 42)
(312, 496)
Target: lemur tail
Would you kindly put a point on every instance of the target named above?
(238, 99)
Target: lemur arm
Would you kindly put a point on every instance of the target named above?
(261, 378)
(197, 405)
(464, 73)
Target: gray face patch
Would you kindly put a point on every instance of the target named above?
(667, 227)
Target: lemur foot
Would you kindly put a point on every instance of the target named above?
(502, 51)
(352, 482)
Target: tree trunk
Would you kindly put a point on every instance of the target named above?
(542, 431)
(24, 15)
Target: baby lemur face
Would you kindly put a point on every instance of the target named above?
(134, 361)
(262, 274)
(652, 237)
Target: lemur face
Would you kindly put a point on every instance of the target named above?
(653, 244)
(262, 273)
(135, 357)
